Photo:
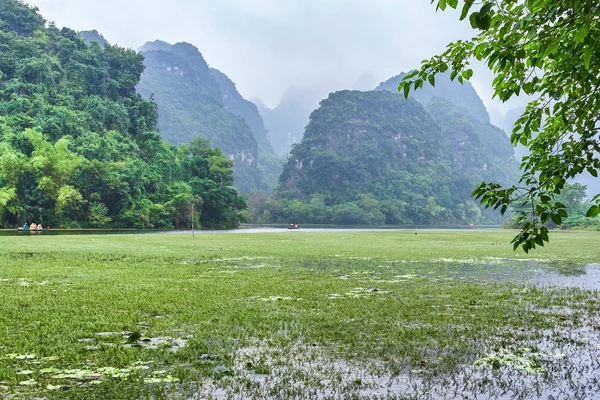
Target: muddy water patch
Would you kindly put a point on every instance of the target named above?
(588, 278)
(308, 370)
(303, 370)
(537, 272)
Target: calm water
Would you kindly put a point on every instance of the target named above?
(242, 229)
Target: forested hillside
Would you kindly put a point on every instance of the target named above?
(376, 158)
(269, 164)
(195, 100)
(77, 143)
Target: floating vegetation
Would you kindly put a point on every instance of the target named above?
(522, 358)
(135, 339)
(387, 320)
(358, 292)
(15, 356)
(362, 292)
(279, 298)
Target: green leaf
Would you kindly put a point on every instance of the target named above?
(467, 74)
(484, 22)
(587, 57)
(406, 91)
(431, 79)
(485, 10)
(473, 19)
(466, 8)
(593, 211)
(581, 33)
(529, 4)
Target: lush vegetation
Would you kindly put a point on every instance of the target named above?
(574, 198)
(545, 49)
(77, 146)
(297, 315)
(195, 100)
(375, 158)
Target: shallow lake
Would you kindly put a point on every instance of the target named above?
(242, 229)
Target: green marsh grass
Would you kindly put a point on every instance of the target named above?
(296, 315)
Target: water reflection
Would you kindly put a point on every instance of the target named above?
(242, 229)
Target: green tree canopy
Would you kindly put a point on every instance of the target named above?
(77, 143)
(547, 49)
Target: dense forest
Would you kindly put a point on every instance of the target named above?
(196, 100)
(376, 158)
(78, 145)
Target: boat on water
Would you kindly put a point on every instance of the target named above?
(294, 226)
(21, 229)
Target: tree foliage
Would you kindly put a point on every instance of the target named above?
(547, 49)
(77, 143)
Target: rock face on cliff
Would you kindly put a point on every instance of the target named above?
(374, 157)
(195, 100)
(233, 102)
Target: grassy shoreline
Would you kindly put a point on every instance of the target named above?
(292, 314)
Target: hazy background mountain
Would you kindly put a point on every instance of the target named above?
(93, 36)
(463, 95)
(286, 122)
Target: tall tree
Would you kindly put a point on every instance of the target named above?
(547, 49)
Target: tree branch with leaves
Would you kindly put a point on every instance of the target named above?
(549, 50)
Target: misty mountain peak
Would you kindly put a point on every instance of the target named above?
(157, 45)
(463, 95)
(93, 36)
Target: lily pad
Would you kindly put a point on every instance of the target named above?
(162, 379)
(25, 372)
(15, 356)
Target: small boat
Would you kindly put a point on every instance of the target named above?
(294, 226)
(21, 229)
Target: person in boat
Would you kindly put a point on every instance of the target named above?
(33, 226)
(25, 226)
(39, 227)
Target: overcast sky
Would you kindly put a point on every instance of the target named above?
(267, 46)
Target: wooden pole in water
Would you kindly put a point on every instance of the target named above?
(193, 236)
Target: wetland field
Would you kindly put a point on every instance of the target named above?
(300, 315)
